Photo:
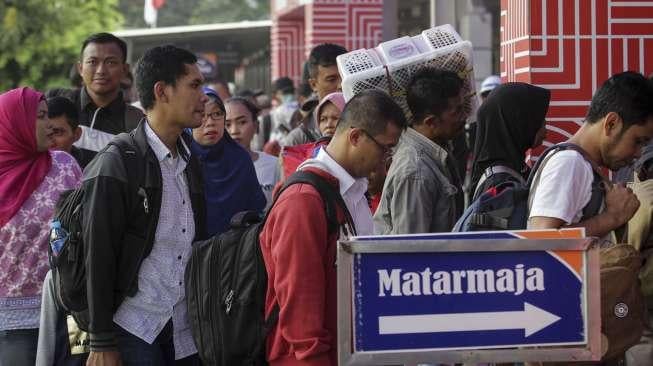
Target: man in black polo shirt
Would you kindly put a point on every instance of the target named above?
(102, 110)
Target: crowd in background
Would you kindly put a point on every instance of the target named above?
(212, 152)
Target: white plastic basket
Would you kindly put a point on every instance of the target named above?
(391, 64)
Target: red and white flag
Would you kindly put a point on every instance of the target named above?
(150, 11)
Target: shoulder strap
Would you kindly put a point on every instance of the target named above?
(133, 116)
(585, 155)
(129, 151)
(560, 147)
(329, 194)
(497, 169)
(131, 160)
(534, 177)
(331, 197)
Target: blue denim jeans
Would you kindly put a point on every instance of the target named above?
(18, 347)
(135, 351)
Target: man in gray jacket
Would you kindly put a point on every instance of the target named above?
(422, 192)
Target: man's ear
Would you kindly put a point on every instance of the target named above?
(313, 83)
(431, 121)
(161, 92)
(125, 72)
(79, 68)
(354, 136)
(612, 124)
(77, 133)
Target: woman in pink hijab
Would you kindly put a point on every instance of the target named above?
(31, 180)
(328, 112)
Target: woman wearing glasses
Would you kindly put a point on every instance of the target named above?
(230, 180)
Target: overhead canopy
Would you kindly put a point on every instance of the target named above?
(230, 42)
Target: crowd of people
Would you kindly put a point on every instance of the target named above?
(204, 155)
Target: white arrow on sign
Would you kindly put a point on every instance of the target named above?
(532, 320)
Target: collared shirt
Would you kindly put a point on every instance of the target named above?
(110, 119)
(100, 124)
(352, 191)
(161, 295)
(421, 193)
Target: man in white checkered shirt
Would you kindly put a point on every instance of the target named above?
(138, 247)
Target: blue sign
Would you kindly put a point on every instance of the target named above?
(460, 300)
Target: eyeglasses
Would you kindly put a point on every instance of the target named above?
(215, 116)
(388, 152)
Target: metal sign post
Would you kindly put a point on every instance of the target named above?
(468, 298)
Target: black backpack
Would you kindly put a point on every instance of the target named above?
(67, 255)
(506, 206)
(226, 283)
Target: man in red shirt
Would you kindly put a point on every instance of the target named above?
(298, 249)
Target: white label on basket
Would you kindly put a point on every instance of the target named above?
(401, 50)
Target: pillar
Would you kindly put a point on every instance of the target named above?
(571, 47)
(298, 26)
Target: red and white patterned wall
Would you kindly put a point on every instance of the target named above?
(297, 28)
(571, 47)
(287, 48)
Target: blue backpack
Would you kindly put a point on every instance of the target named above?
(505, 206)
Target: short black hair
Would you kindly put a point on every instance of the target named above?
(371, 110)
(323, 55)
(105, 38)
(251, 107)
(429, 90)
(305, 90)
(162, 63)
(283, 84)
(629, 94)
(62, 106)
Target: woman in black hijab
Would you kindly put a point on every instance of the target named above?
(510, 122)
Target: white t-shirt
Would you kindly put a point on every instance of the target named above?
(267, 173)
(565, 187)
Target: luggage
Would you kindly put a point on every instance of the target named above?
(226, 283)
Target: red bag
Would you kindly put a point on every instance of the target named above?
(292, 156)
